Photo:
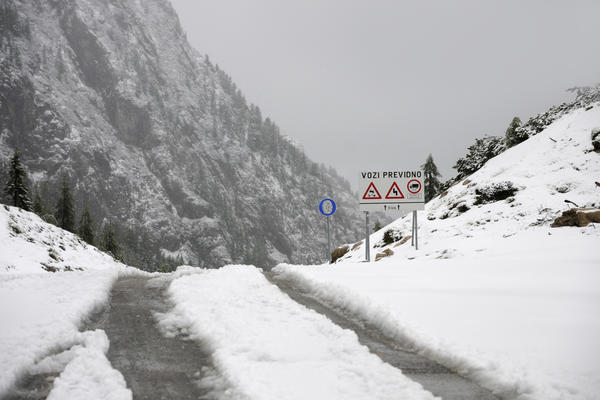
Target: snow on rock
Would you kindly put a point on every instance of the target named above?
(270, 347)
(49, 282)
(493, 292)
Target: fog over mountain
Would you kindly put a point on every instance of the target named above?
(157, 138)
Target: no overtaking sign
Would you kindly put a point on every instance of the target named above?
(391, 191)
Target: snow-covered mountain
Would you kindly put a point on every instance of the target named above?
(157, 137)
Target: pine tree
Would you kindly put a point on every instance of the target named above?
(86, 226)
(432, 183)
(108, 242)
(377, 226)
(64, 207)
(478, 154)
(38, 206)
(514, 135)
(16, 188)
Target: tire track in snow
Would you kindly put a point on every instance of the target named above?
(154, 366)
(433, 376)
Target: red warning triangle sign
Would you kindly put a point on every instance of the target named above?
(371, 193)
(394, 192)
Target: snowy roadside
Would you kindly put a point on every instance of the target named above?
(520, 318)
(269, 347)
(41, 311)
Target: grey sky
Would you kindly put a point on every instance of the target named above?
(380, 84)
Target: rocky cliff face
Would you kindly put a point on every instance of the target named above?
(157, 137)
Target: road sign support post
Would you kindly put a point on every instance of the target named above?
(416, 230)
(412, 230)
(328, 240)
(367, 241)
(327, 208)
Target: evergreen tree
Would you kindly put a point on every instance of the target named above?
(514, 135)
(377, 226)
(16, 187)
(478, 154)
(108, 242)
(38, 206)
(86, 226)
(64, 207)
(432, 183)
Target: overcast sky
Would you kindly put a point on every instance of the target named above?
(381, 84)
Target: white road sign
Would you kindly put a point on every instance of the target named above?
(391, 190)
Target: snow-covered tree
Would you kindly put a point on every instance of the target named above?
(514, 135)
(108, 241)
(377, 226)
(38, 205)
(64, 207)
(16, 187)
(478, 154)
(432, 183)
(86, 226)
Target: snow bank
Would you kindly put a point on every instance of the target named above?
(86, 372)
(270, 347)
(40, 311)
(522, 319)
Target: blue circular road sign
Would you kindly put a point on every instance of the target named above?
(327, 207)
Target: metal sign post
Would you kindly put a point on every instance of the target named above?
(328, 238)
(327, 208)
(367, 241)
(412, 230)
(415, 231)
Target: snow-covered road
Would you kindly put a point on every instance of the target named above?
(268, 346)
(433, 376)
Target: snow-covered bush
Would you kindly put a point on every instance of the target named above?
(478, 154)
(495, 192)
(390, 236)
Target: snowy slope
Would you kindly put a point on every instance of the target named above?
(41, 311)
(270, 347)
(493, 292)
(547, 169)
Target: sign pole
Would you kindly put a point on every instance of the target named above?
(327, 207)
(416, 232)
(367, 243)
(328, 240)
(412, 230)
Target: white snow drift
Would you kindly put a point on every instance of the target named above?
(493, 292)
(40, 311)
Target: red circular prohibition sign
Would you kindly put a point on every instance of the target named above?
(409, 183)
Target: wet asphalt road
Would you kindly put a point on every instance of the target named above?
(154, 366)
